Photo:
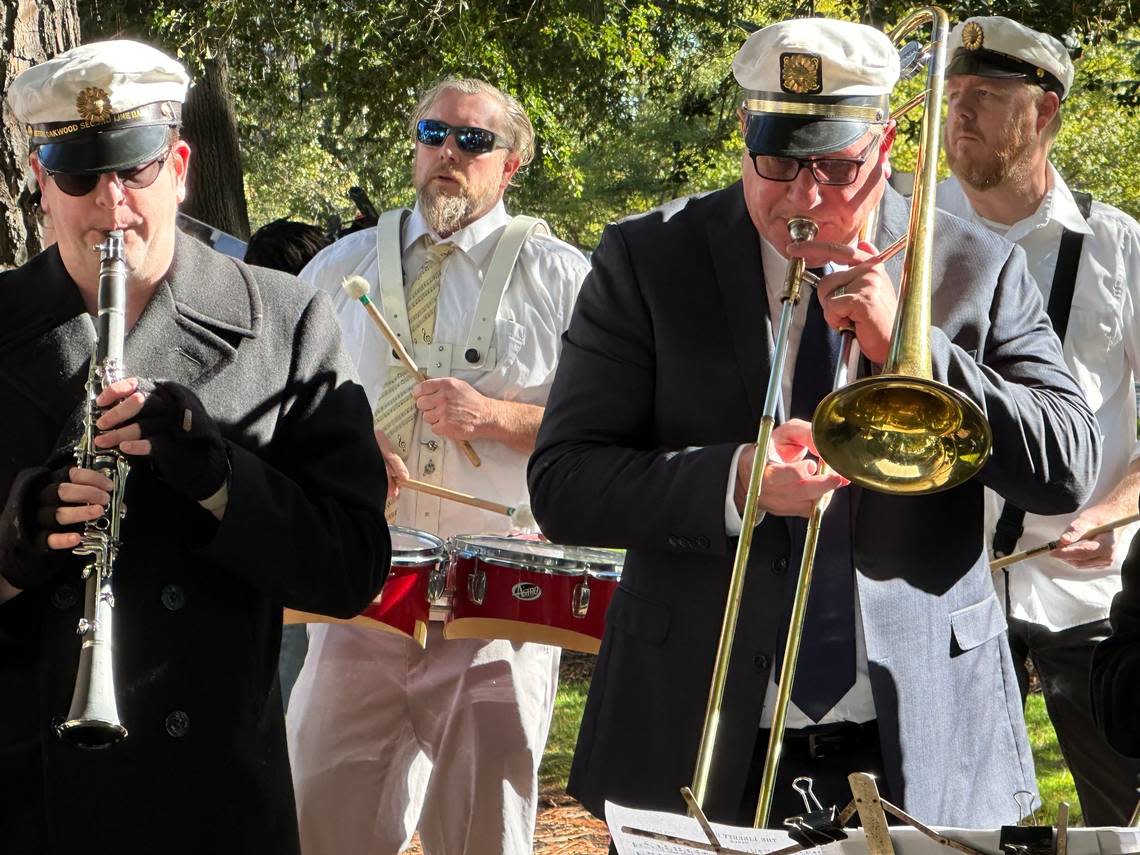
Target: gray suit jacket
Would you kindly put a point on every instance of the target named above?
(662, 376)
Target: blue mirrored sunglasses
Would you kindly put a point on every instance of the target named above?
(432, 132)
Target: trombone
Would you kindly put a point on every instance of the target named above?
(899, 432)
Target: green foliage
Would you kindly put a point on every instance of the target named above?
(633, 103)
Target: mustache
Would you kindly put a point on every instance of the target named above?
(454, 174)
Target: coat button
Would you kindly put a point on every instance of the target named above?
(177, 724)
(703, 542)
(173, 597)
(471, 355)
(780, 565)
(761, 661)
(64, 597)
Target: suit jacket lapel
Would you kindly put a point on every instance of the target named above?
(739, 272)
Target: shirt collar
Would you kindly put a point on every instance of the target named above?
(1065, 211)
(472, 239)
(1057, 208)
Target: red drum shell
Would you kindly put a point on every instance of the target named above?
(403, 606)
(530, 591)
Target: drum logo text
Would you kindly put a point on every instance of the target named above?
(526, 591)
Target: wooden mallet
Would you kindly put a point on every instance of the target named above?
(357, 288)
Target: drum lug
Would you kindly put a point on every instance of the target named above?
(477, 586)
(581, 603)
(437, 583)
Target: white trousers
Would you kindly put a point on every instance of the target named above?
(385, 736)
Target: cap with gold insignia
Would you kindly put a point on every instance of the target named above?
(814, 85)
(999, 47)
(100, 107)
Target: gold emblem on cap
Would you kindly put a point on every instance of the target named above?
(93, 104)
(973, 37)
(800, 73)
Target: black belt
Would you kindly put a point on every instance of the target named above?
(829, 740)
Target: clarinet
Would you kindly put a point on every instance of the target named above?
(93, 720)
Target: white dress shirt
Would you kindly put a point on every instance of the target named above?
(534, 312)
(1101, 348)
(857, 705)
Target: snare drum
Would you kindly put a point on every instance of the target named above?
(413, 589)
(524, 590)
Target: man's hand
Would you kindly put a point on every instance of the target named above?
(393, 463)
(1096, 552)
(72, 497)
(453, 408)
(791, 485)
(862, 296)
(165, 422)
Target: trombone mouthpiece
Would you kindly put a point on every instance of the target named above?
(801, 228)
(355, 286)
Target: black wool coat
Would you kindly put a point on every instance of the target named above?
(198, 603)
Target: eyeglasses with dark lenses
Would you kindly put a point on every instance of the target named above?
(432, 132)
(133, 178)
(833, 171)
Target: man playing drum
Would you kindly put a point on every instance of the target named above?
(384, 734)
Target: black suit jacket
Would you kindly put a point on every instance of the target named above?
(198, 603)
(662, 376)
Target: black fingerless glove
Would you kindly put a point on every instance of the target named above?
(40, 508)
(187, 449)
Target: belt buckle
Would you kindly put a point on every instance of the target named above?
(822, 745)
(816, 750)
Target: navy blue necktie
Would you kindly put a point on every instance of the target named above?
(826, 667)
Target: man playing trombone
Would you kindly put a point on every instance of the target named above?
(904, 668)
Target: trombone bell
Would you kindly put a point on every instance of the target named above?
(901, 434)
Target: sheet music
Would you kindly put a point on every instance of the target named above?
(746, 839)
(907, 841)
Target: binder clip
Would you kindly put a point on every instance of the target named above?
(1029, 837)
(817, 825)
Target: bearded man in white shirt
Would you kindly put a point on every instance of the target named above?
(1005, 87)
(384, 734)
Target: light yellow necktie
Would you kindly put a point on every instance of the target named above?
(395, 412)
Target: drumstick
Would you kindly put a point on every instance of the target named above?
(357, 288)
(456, 496)
(998, 563)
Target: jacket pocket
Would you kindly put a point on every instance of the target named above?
(641, 618)
(974, 625)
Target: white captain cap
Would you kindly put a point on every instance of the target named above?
(100, 107)
(999, 47)
(814, 85)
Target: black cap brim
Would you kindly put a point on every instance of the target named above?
(988, 63)
(800, 136)
(105, 151)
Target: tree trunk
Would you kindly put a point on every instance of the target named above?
(216, 187)
(30, 32)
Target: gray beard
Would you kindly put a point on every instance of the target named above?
(445, 213)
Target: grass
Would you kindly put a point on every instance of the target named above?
(1053, 778)
(568, 705)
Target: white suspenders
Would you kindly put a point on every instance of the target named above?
(437, 358)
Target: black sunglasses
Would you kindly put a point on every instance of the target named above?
(133, 178)
(432, 132)
(834, 171)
